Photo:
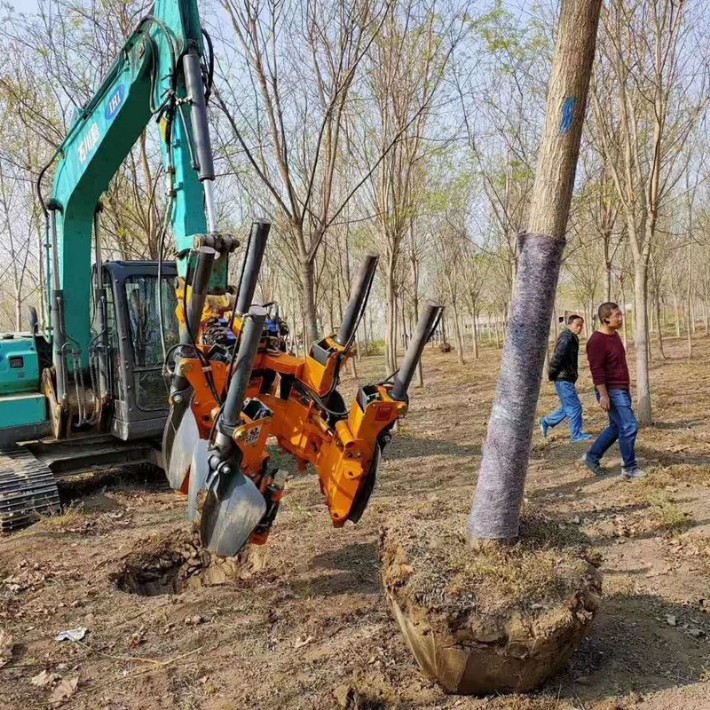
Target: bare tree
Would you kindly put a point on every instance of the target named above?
(646, 102)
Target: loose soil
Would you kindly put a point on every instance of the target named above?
(303, 622)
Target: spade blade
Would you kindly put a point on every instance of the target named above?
(199, 469)
(179, 458)
(226, 524)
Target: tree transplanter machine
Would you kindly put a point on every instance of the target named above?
(148, 355)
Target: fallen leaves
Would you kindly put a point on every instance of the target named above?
(6, 644)
(63, 691)
(45, 678)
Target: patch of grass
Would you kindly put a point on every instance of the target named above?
(667, 513)
(677, 475)
(513, 575)
(71, 518)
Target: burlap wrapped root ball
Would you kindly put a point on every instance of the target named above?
(490, 618)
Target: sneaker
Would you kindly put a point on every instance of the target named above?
(581, 437)
(631, 474)
(544, 426)
(594, 466)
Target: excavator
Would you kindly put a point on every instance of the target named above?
(165, 361)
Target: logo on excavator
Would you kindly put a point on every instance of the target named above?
(89, 142)
(115, 101)
(253, 436)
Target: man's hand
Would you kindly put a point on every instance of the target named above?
(604, 402)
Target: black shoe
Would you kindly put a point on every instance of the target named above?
(594, 466)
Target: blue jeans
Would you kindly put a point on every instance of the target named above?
(571, 407)
(622, 426)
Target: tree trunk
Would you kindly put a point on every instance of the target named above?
(457, 334)
(691, 309)
(690, 325)
(658, 327)
(18, 311)
(403, 314)
(643, 385)
(623, 310)
(501, 482)
(676, 311)
(391, 320)
(475, 336)
(607, 283)
(310, 330)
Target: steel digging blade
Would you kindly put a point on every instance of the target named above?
(226, 524)
(364, 495)
(198, 475)
(179, 458)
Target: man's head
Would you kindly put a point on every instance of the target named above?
(610, 316)
(575, 324)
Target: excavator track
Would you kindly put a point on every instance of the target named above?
(27, 488)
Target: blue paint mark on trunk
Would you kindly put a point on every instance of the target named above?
(568, 114)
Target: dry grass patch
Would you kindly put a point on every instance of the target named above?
(73, 518)
(678, 474)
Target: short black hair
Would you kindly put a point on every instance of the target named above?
(573, 318)
(605, 310)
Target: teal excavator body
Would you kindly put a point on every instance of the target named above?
(88, 389)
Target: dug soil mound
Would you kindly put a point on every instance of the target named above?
(494, 619)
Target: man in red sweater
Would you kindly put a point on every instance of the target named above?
(610, 374)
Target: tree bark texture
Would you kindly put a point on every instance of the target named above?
(501, 482)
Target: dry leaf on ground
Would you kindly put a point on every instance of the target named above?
(44, 678)
(6, 644)
(64, 691)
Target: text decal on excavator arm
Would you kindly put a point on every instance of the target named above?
(89, 142)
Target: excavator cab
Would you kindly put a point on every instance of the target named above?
(138, 300)
(116, 405)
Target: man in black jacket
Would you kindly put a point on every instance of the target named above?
(563, 371)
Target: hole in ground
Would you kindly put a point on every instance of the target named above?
(153, 575)
(173, 563)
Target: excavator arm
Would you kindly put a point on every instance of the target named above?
(159, 74)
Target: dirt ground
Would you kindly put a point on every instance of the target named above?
(303, 622)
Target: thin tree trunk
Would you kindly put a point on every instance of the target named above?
(643, 385)
(676, 311)
(623, 309)
(310, 332)
(476, 353)
(457, 334)
(391, 320)
(501, 482)
(689, 325)
(691, 310)
(658, 327)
